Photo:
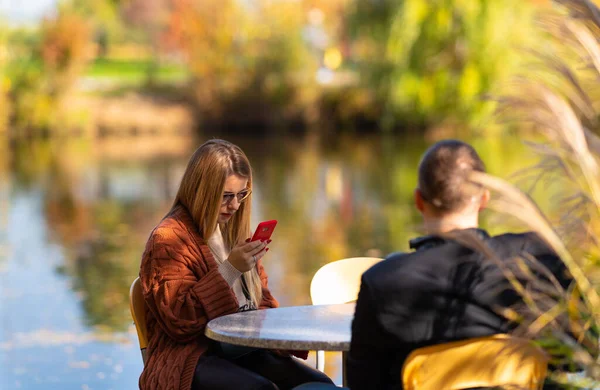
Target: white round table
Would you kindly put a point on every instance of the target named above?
(315, 327)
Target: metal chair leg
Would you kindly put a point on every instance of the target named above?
(344, 361)
(321, 361)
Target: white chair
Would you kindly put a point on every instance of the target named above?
(338, 282)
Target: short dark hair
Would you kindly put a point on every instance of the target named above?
(444, 175)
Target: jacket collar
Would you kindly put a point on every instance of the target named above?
(433, 240)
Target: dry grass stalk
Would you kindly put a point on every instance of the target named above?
(562, 103)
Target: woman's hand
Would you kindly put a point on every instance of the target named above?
(245, 255)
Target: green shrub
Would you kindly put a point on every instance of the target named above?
(432, 62)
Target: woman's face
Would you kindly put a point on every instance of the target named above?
(236, 186)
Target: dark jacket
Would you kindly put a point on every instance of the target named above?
(442, 292)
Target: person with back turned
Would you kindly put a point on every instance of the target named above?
(443, 291)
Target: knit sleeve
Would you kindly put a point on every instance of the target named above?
(180, 290)
(268, 301)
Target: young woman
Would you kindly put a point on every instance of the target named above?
(198, 265)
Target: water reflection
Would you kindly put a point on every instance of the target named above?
(79, 215)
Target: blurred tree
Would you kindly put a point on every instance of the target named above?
(65, 49)
(433, 62)
(5, 106)
(150, 17)
(146, 14)
(45, 67)
(330, 16)
(124, 22)
(105, 20)
(248, 59)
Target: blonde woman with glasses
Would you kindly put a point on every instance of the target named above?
(199, 264)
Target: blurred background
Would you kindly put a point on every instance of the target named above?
(103, 101)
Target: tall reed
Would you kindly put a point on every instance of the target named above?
(559, 101)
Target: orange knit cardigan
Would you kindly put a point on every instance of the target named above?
(183, 290)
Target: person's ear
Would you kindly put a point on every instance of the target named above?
(485, 198)
(419, 201)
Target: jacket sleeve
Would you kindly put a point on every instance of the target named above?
(368, 362)
(182, 292)
(548, 258)
(268, 301)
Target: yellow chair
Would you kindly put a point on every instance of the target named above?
(137, 306)
(494, 361)
(338, 282)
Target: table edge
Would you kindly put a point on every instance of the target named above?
(266, 343)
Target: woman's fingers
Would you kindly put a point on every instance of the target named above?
(252, 251)
(260, 249)
(263, 251)
(260, 254)
(254, 247)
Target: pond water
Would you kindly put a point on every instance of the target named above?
(74, 218)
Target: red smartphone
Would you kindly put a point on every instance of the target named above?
(264, 230)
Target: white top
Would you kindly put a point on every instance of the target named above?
(231, 274)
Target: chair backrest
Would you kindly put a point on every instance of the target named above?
(339, 282)
(137, 305)
(499, 360)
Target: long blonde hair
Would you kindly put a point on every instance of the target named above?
(201, 192)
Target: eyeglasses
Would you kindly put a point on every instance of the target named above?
(240, 196)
